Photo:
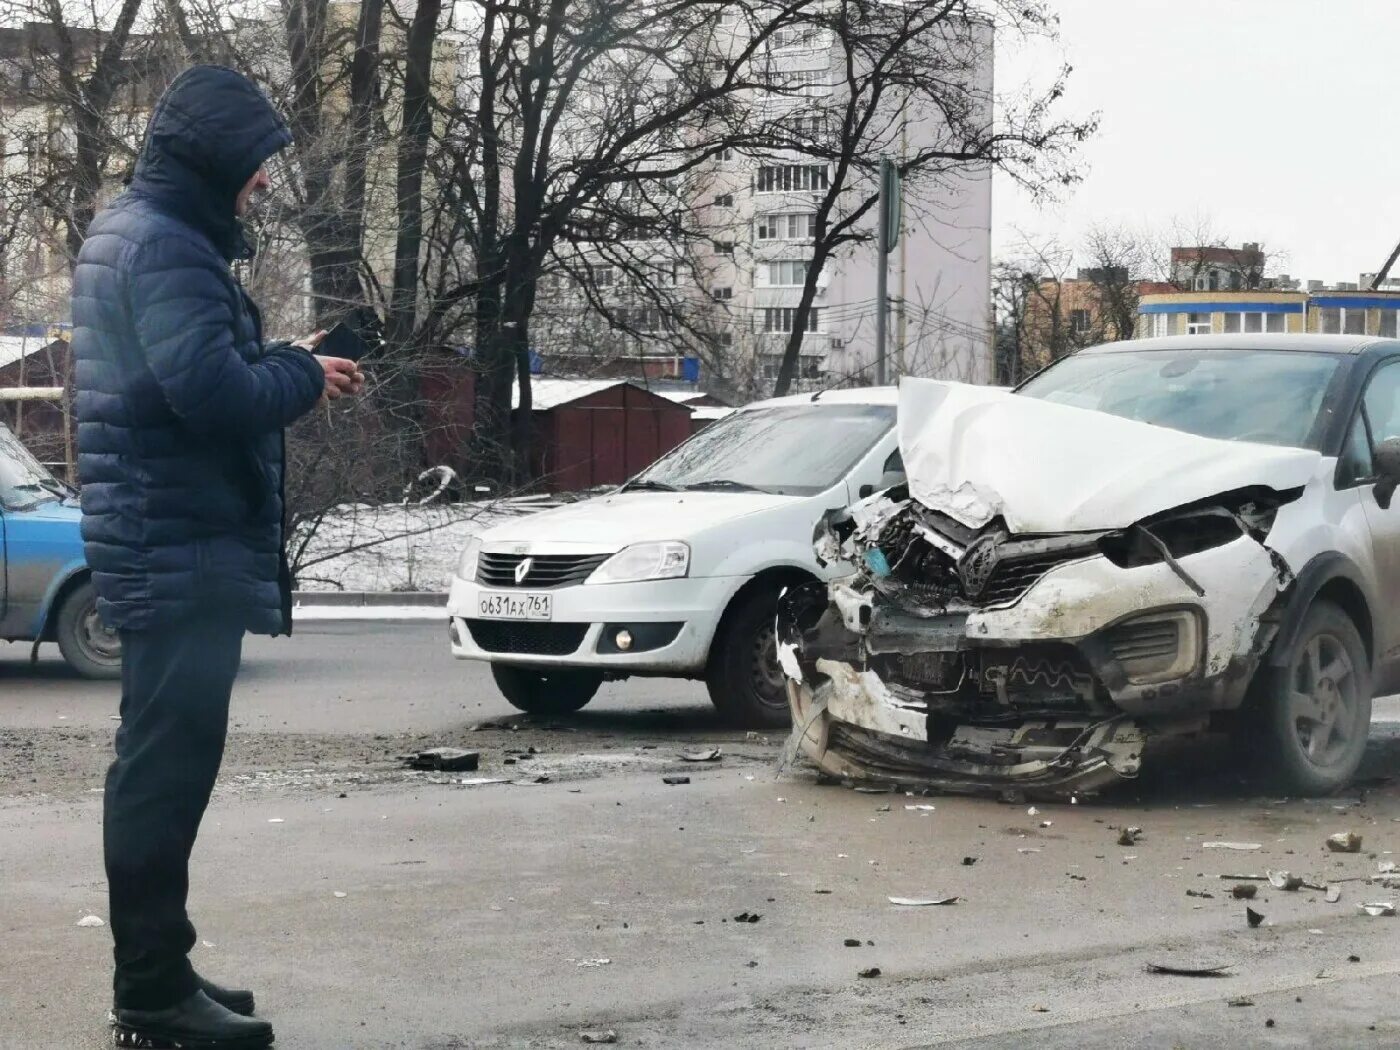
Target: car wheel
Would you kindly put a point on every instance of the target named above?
(546, 691)
(90, 647)
(1316, 706)
(745, 682)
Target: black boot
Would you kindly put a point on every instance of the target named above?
(196, 1023)
(235, 999)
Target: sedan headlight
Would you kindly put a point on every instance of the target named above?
(471, 557)
(645, 561)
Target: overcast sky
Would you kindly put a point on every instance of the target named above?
(1274, 118)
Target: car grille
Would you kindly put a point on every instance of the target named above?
(1011, 579)
(546, 570)
(528, 639)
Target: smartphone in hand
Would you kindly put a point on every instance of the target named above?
(354, 338)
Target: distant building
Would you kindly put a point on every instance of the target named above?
(1341, 310)
(1098, 305)
(1217, 268)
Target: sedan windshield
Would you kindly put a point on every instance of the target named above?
(1269, 396)
(795, 450)
(23, 480)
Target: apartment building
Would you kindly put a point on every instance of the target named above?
(744, 279)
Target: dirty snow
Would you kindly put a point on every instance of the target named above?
(399, 548)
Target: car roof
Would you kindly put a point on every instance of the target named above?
(1317, 344)
(863, 395)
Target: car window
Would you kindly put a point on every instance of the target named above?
(795, 450)
(1269, 396)
(23, 480)
(895, 463)
(1382, 402)
(1355, 462)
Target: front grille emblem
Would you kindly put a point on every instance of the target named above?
(523, 569)
(978, 563)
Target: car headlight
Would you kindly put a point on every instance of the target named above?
(471, 557)
(645, 561)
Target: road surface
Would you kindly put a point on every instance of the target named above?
(374, 908)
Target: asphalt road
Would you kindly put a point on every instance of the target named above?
(467, 911)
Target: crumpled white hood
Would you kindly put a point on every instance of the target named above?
(974, 453)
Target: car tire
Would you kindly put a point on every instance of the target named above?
(546, 690)
(86, 644)
(745, 683)
(1314, 709)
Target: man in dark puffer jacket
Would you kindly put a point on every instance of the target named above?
(181, 410)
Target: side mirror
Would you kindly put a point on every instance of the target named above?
(1386, 461)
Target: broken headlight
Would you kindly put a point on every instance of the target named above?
(1180, 536)
(1156, 647)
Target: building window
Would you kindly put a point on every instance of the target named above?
(666, 274)
(726, 154)
(725, 339)
(724, 200)
(603, 276)
(644, 319)
(786, 273)
(1388, 327)
(782, 318)
(792, 178)
(1162, 325)
(721, 295)
(1198, 324)
(799, 36)
(787, 227)
(806, 126)
(1335, 320)
(724, 247)
(1251, 323)
(1079, 322)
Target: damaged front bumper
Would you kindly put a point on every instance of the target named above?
(896, 676)
(853, 728)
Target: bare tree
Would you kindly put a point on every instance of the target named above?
(927, 63)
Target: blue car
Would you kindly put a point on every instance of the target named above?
(45, 591)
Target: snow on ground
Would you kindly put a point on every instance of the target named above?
(361, 547)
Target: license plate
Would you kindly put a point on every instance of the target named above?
(515, 607)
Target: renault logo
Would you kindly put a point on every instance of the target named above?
(523, 569)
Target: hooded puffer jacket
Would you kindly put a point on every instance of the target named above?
(180, 406)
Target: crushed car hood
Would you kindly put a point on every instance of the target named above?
(975, 453)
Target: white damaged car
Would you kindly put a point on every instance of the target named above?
(1146, 538)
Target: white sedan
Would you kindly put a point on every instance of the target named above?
(677, 573)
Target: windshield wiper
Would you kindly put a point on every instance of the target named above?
(648, 486)
(726, 483)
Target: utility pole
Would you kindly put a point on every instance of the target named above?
(887, 237)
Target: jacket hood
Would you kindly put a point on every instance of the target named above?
(975, 453)
(210, 131)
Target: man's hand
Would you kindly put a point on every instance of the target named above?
(342, 377)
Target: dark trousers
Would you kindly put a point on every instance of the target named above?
(176, 683)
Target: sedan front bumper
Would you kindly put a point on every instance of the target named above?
(671, 623)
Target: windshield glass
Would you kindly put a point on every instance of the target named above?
(795, 450)
(23, 480)
(1269, 396)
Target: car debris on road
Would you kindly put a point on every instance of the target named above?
(1344, 842)
(1183, 969)
(444, 760)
